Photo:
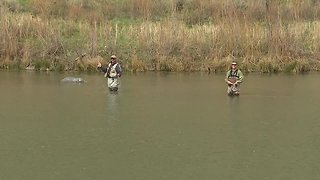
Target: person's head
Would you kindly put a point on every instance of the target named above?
(233, 65)
(113, 58)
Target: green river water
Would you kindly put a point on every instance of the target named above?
(159, 126)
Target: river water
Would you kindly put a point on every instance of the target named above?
(159, 126)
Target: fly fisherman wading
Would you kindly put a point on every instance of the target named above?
(233, 79)
(112, 72)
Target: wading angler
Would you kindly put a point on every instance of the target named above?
(233, 79)
(112, 72)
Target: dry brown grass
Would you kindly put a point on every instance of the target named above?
(137, 65)
(190, 36)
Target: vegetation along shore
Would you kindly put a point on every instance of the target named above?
(162, 35)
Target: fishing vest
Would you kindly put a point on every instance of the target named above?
(111, 71)
(233, 74)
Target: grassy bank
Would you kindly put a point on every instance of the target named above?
(171, 35)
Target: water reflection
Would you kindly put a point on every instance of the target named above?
(112, 102)
(112, 107)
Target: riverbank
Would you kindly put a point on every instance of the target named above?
(268, 41)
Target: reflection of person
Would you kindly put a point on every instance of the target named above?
(112, 72)
(233, 78)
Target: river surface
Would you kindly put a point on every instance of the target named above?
(159, 126)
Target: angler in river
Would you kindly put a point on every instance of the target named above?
(112, 72)
(233, 79)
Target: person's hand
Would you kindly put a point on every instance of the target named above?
(230, 83)
(99, 64)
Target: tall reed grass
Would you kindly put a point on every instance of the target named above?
(164, 35)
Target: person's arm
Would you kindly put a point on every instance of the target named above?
(104, 69)
(227, 77)
(241, 77)
(101, 68)
(118, 70)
